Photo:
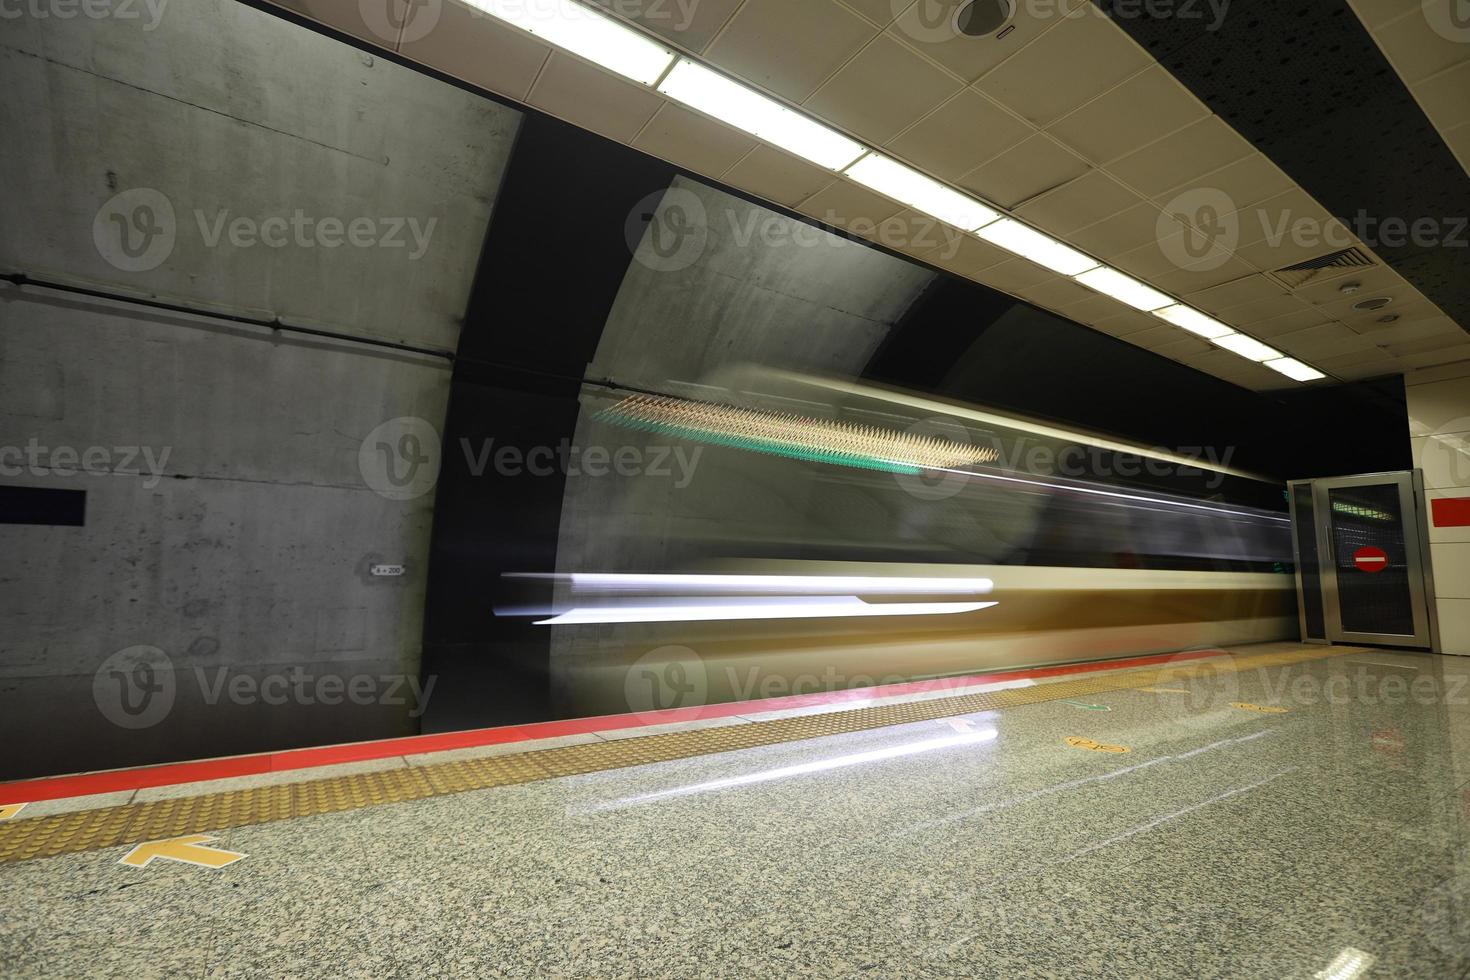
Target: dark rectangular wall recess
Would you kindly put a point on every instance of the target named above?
(43, 505)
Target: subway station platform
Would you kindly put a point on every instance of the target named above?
(1282, 810)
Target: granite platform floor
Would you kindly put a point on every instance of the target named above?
(1328, 840)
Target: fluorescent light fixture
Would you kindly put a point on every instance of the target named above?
(795, 607)
(1125, 289)
(907, 186)
(788, 584)
(1030, 244)
(744, 108)
(585, 32)
(1294, 369)
(1194, 321)
(1247, 347)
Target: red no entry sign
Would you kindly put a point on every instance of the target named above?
(1371, 559)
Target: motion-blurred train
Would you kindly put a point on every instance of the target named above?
(821, 535)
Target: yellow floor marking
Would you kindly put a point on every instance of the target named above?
(1264, 709)
(189, 850)
(1078, 742)
(12, 810)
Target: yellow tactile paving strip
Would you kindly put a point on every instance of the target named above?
(138, 822)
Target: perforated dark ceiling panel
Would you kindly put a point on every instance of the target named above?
(1304, 82)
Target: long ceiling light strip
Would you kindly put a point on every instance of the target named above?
(746, 109)
(1032, 245)
(586, 33)
(606, 41)
(907, 186)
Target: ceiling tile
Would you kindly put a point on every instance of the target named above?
(1057, 294)
(1155, 336)
(1416, 49)
(1185, 346)
(1094, 308)
(880, 12)
(1120, 233)
(1276, 326)
(1078, 203)
(1375, 13)
(1369, 280)
(1436, 342)
(1291, 216)
(1016, 275)
(929, 28)
(479, 50)
(1244, 290)
(1034, 165)
(1447, 355)
(1182, 158)
(844, 204)
(593, 99)
(777, 176)
(1263, 309)
(693, 141)
(691, 25)
(882, 91)
(967, 257)
(1385, 333)
(1063, 68)
(1244, 183)
(1407, 304)
(1147, 107)
(1323, 340)
(918, 234)
(1181, 282)
(1125, 323)
(1446, 96)
(1146, 261)
(959, 135)
(1279, 251)
(1366, 369)
(789, 48)
(1381, 361)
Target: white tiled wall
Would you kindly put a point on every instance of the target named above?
(1439, 430)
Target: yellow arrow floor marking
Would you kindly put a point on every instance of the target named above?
(1078, 742)
(1263, 709)
(187, 849)
(11, 810)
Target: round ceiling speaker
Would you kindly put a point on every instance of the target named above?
(1391, 318)
(979, 18)
(1370, 305)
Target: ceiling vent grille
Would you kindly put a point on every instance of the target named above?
(1322, 267)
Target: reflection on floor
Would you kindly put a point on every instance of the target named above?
(1232, 838)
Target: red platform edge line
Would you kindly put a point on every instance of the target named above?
(175, 773)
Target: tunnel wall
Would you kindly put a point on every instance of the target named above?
(239, 481)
